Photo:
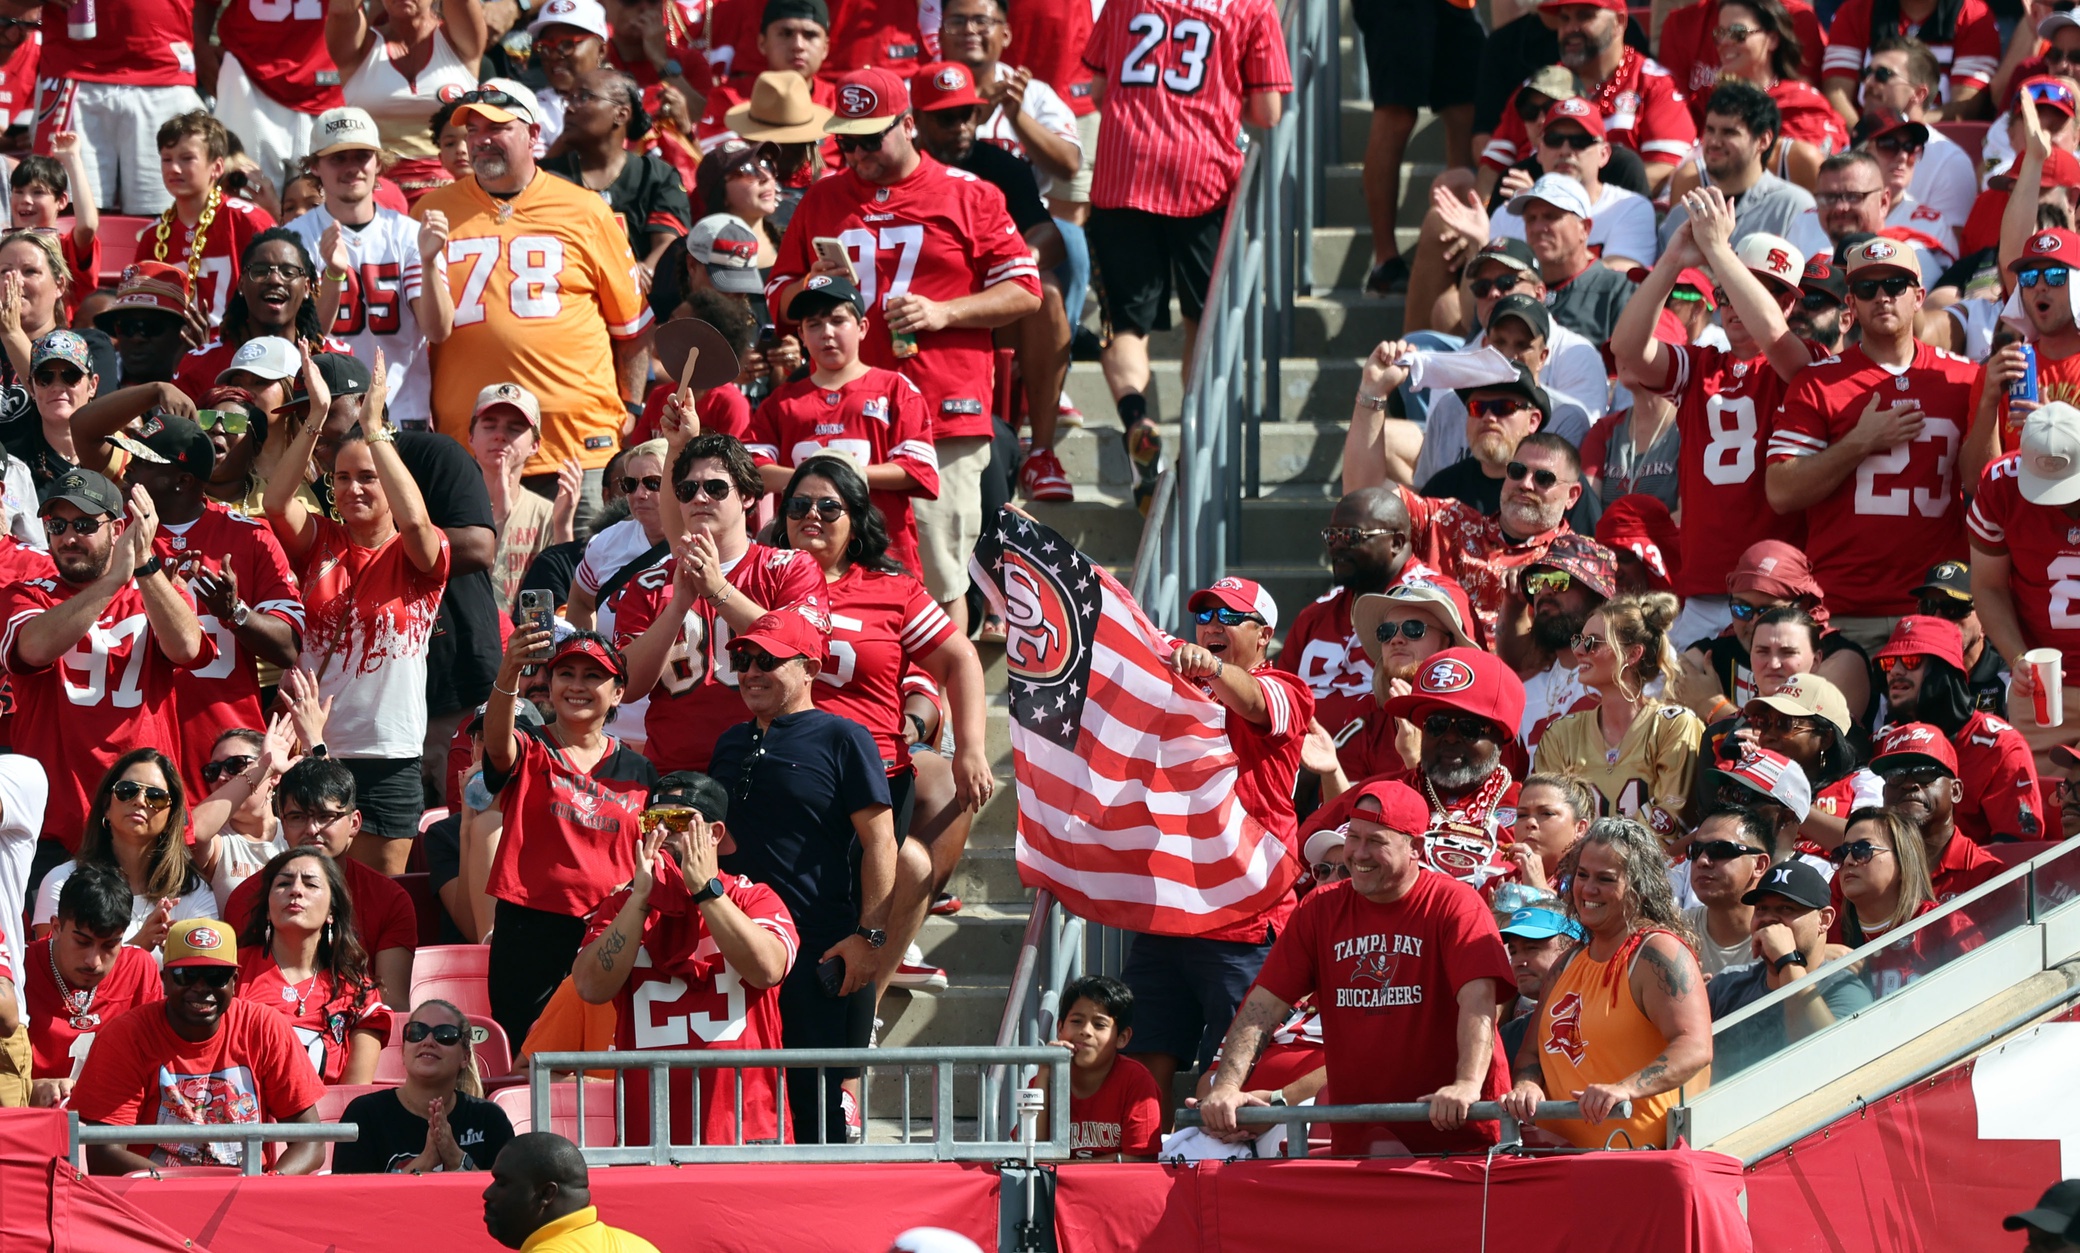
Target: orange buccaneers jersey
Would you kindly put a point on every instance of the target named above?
(542, 284)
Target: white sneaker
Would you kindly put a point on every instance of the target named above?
(916, 976)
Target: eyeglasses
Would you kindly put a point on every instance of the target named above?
(981, 22)
(1544, 581)
(1587, 643)
(1482, 288)
(288, 272)
(1891, 285)
(1895, 145)
(1413, 628)
(717, 489)
(1842, 199)
(1580, 141)
(67, 375)
(1856, 852)
(1735, 34)
(316, 819)
(1881, 74)
(20, 23)
(747, 657)
(1909, 663)
(1948, 608)
(446, 1034)
(233, 421)
(208, 976)
(869, 143)
(1460, 726)
(1495, 408)
(827, 507)
(217, 770)
(1345, 536)
(1721, 850)
(1329, 872)
(1544, 480)
(670, 817)
(1227, 617)
(155, 798)
(649, 483)
(84, 526)
(2050, 276)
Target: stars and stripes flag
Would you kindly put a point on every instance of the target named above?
(1127, 806)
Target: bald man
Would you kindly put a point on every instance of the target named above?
(540, 1198)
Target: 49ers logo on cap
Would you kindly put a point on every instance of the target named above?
(1877, 250)
(952, 78)
(204, 938)
(556, 8)
(1778, 261)
(1573, 106)
(2047, 241)
(857, 100)
(1448, 675)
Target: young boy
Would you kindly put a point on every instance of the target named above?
(203, 230)
(370, 259)
(41, 193)
(1115, 1109)
(874, 416)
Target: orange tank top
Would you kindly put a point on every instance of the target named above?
(1592, 1030)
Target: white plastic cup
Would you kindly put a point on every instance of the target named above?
(2046, 670)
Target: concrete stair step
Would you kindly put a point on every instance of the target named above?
(1312, 389)
(1308, 452)
(1344, 194)
(980, 941)
(965, 1013)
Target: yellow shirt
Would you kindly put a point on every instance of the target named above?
(1651, 765)
(1591, 1030)
(543, 284)
(581, 1231)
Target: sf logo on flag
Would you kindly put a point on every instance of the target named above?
(1051, 600)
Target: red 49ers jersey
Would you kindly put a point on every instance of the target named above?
(875, 419)
(683, 994)
(1642, 107)
(2043, 549)
(940, 233)
(696, 699)
(226, 692)
(281, 45)
(1872, 538)
(1324, 652)
(111, 693)
(880, 625)
(1721, 406)
(225, 241)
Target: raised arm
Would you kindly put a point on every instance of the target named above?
(347, 33)
(103, 416)
(86, 218)
(175, 628)
(1711, 231)
(751, 950)
(422, 539)
(435, 305)
(290, 520)
(462, 21)
(603, 966)
(1378, 448)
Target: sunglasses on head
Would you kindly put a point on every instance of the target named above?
(1721, 850)
(1227, 617)
(1329, 872)
(748, 657)
(1891, 285)
(487, 95)
(234, 421)
(217, 771)
(443, 1033)
(1413, 628)
(1544, 480)
(155, 798)
(1547, 581)
(1501, 285)
(649, 483)
(85, 526)
(869, 143)
(827, 507)
(1580, 141)
(52, 375)
(2049, 276)
(717, 489)
(1855, 853)
(207, 976)
(1462, 726)
(1497, 408)
(1909, 663)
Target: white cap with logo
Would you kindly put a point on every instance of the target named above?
(586, 15)
(337, 130)
(2050, 455)
(1558, 190)
(1772, 256)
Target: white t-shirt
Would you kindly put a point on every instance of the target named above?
(200, 903)
(608, 551)
(376, 310)
(1043, 106)
(1621, 224)
(23, 790)
(1945, 177)
(1712, 956)
(240, 857)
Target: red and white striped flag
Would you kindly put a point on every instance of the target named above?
(1126, 777)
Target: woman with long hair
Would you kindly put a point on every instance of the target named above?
(298, 954)
(1636, 750)
(1622, 1017)
(138, 823)
(1882, 875)
(1923, 666)
(36, 419)
(1758, 46)
(743, 180)
(438, 1118)
(1553, 810)
(401, 70)
(883, 624)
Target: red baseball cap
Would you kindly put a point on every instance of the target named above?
(2061, 169)
(1642, 525)
(1577, 110)
(582, 645)
(2049, 93)
(152, 285)
(867, 100)
(800, 630)
(1919, 635)
(947, 85)
(1615, 6)
(1465, 680)
(1400, 808)
(2054, 245)
(1911, 744)
(1241, 595)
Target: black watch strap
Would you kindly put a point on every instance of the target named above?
(874, 936)
(709, 891)
(1788, 959)
(149, 568)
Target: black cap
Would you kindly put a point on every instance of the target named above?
(169, 439)
(1952, 578)
(107, 364)
(1514, 253)
(780, 10)
(84, 489)
(1529, 309)
(2055, 1211)
(1793, 880)
(1825, 276)
(1524, 385)
(344, 375)
(823, 291)
(694, 790)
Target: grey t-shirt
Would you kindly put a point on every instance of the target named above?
(1589, 303)
(1771, 205)
(1710, 956)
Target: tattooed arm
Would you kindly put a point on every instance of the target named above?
(604, 965)
(1259, 1016)
(1670, 991)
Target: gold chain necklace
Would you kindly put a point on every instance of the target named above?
(164, 232)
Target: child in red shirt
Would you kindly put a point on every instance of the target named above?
(1115, 1108)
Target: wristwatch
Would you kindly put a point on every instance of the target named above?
(240, 611)
(874, 936)
(149, 568)
(1278, 1098)
(1377, 403)
(709, 891)
(319, 751)
(1788, 959)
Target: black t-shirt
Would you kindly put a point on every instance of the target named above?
(1012, 176)
(793, 791)
(646, 196)
(1512, 53)
(1989, 691)
(443, 844)
(392, 1135)
(464, 655)
(1463, 481)
(552, 569)
(1624, 169)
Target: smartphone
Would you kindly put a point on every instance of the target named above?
(538, 608)
(768, 337)
(832, 975)
(831, 250)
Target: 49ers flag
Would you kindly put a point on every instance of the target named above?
(1126, 778)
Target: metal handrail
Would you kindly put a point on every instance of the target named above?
(250, 1136)
(1295, 1116)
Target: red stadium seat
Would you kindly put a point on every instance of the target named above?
(425, 905)
(431, 816)
(563, 1107)
(494, 1051)
(335, 1099)
(1970, 136)
(453, 972)
(119, 247)
(183, 1172)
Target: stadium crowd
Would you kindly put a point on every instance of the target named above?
(534, 459)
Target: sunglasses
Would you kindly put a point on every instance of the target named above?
(138, 326)
(2055, 56)
(1893, 146)
(1770, 722)
(1495, 408)
(1744, 612)
(443, 1033)
(1344, 536)
(1547, 581)
(827, 507)
(218, 770)
(1721, 850)
(1483, 288)
(1414, 628)
(1587, 643)
(746, 658)
(2051, 93)
(869, 143)
(1735, 34)
(717, 489)
(155, 798)
(562, 45)
(1920, 776)
(233, 421)
(1227, 617)
(756, 171)
(1544, 480)
(1580, 141)
(2050, 276)
(1532, 107)
(1815, 301)
(649, 483)
(744, 777)
(1326, 872)
(1909, 663)
(1892, 285)
(208, 976)
(67, 375)
(1855, 853)
(1948, 608)
(1881, 74)
(85, 526)
(20, 23)
(670, 817)
(487, 95)
(1460, 726)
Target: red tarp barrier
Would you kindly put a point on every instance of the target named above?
(1608, 1202)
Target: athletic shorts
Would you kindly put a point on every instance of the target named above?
(1419, 53)
(1143, 258)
